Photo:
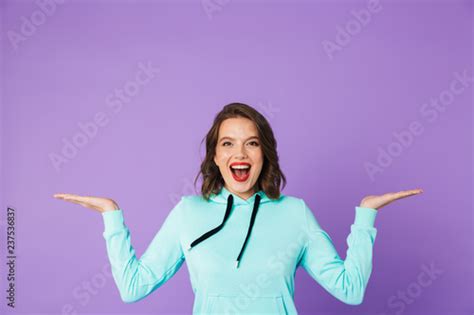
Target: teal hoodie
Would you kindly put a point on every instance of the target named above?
(242, 255)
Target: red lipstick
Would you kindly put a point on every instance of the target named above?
(240, 171)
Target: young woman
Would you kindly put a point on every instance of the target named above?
(241, 238)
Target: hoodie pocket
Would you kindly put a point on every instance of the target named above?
(221, 304)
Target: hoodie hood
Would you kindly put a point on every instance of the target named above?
(223, 195)
(227, 199)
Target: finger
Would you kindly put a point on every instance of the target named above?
(407, 193)
(85, 205)
(411, 192)
(68, 197)
(72, 200)
(63, 196)
(72, 197)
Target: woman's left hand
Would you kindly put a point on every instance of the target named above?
(377, 202)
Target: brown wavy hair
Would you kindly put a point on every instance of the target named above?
(271, 176)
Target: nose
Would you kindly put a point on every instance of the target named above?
(240, 151)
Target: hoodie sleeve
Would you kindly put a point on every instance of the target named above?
(137, 278)
(344, 279)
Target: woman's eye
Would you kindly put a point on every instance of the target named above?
(253, 143)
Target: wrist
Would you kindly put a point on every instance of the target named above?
(111, 207)
(365, 216)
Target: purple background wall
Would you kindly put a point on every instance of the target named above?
(333, 113)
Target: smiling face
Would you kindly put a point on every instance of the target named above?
(239, 155)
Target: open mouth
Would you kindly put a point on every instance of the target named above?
(240, 171)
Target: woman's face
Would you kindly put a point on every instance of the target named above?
(239, 155)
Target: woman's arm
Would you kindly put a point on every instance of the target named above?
(344, 279)
(137, 278)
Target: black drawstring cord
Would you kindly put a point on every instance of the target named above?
(208, 234)
(252, 220)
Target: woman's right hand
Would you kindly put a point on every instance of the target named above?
(96, 203)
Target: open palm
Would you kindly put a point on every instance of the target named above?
(377, 202)
(96, 203)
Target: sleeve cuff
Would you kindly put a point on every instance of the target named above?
(365, 216)
(113, 221)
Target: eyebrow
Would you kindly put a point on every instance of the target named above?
(230, 138)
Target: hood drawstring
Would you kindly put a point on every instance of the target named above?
(210, 233)
(252, 220)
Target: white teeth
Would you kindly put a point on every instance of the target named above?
(242, 167)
